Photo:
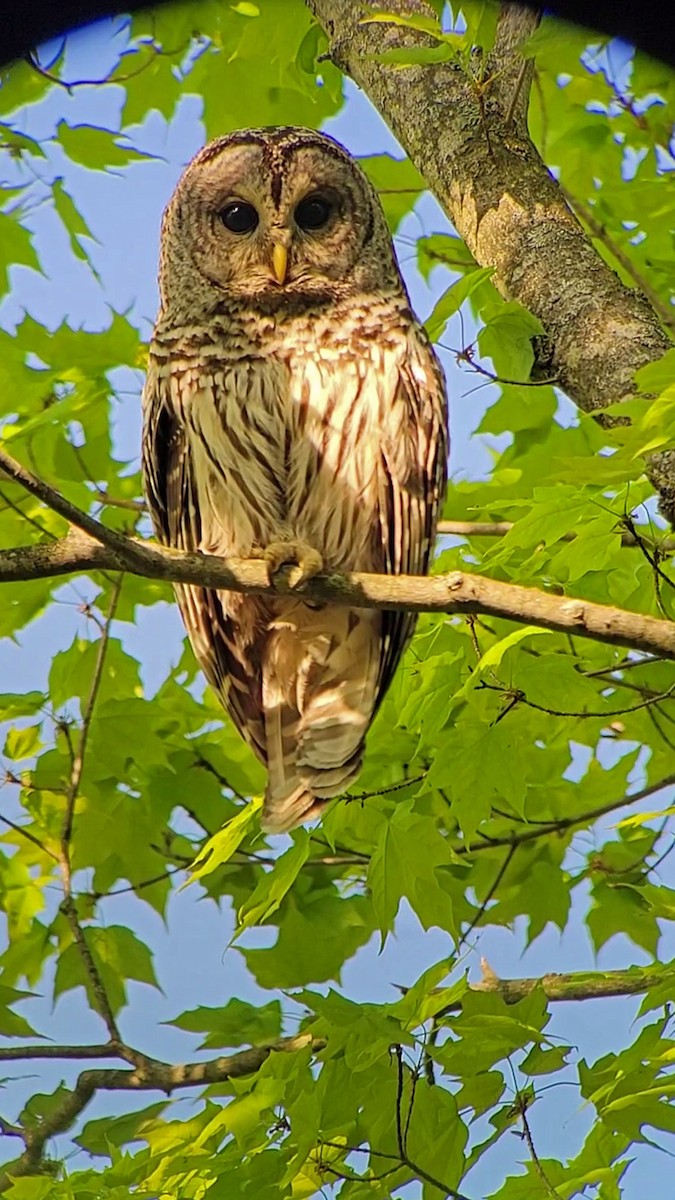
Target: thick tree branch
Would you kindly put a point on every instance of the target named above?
(152, 1075)
(456, 592)
(90, 545)
(462, 127)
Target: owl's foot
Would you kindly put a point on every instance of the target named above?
(307, 562)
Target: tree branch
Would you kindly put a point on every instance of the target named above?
(456, 592)
(545, 828)
(579, 985)
(151, 1075)
(497, 529)
(77, 765)
(466, 135)
(97, 1050)
(91, 545)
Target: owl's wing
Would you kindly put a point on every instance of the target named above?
(230, 665)
(412, 480)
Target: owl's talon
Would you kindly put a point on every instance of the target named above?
(307, 562)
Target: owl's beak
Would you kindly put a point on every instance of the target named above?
(279, 262)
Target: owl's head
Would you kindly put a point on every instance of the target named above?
(275, 218)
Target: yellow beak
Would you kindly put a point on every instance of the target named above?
(279, 262)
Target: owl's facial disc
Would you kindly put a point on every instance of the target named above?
(278, 217)
(291, 239)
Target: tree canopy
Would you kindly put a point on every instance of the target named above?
(519, 778)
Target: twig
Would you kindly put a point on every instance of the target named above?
(58, 503)
(97, 1050)
(99, 994)
(501, 528)
(543, 830)
(9, 1130)
(527, 1134)
(68, 907)
(516, 696)
(69, 84)
(77, 765)
(103, 497)
(25, 516)
(493, 888)
(467, 355)
(30, 837)
(401, 1137)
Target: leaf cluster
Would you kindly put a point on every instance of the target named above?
(515, 778)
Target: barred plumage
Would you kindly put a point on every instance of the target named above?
(291, 397)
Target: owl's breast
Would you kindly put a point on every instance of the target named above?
(342, 408)
(287, 444)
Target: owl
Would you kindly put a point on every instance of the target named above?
(294, 410)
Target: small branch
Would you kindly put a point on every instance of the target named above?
(527, 1134)
(9, 1130)
(78, 757)
(546, 829)
(58, 503)
(70, 84)
(100, 996)
(401, 1135)
(68, 907)
(99, 1050)
(103, 497)
(30, 837)
(501, 528)
(493, 888)
(515, 696)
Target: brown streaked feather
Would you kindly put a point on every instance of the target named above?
(413, 480)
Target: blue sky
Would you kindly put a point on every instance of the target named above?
(123, 211)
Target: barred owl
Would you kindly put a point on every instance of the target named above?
(293, 409)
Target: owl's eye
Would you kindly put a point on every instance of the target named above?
(239, 217)
(314, 212)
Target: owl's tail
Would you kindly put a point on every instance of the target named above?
(319, 687)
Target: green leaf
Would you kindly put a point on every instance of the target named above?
(22, 743)
(452, 300)
(220, 848)
(398, 184)
(16, 249)
(118, 956)
(96, 148)
(273, 886)
(420, 23)
(72, 219)
(238, 1023)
